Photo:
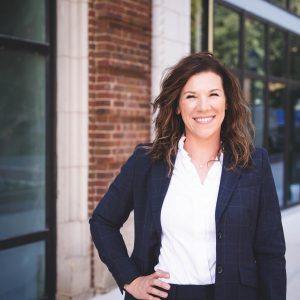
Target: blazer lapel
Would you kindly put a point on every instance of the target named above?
(229, 180)
(159, 184)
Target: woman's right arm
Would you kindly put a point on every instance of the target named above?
(106, 221)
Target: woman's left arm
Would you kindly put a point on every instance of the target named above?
(269, 243)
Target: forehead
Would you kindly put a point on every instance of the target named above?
(204, 80)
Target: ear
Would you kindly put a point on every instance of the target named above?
(178, 111)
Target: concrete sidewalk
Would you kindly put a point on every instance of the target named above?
(291, 225)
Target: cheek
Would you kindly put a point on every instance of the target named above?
(222, 108)
(185, 108)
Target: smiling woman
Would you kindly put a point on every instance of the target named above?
(202, 107)
(207, 219)
(204, 74)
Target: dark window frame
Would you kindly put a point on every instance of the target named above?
(48, 49)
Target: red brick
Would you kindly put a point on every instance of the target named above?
(119, 88)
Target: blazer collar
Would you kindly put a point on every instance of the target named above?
(160, 181)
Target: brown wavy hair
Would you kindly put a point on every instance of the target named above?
(237, 128)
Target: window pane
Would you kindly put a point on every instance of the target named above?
(295, 57)
(281, 3)
(226, 35)
(277, 98)
(254, 46)
(254, 93)
(24, 19)
(294, 184)
(22, 139)
(24, 275)
(196, 25)
(277, 52)
(295, 6)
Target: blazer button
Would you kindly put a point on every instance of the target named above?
(219, 269)
(220, 235)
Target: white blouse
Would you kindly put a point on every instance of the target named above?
(188, 246)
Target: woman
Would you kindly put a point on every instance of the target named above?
(206, 214)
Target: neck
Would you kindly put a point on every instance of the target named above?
(202, 150)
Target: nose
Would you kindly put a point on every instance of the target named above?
(202, 103)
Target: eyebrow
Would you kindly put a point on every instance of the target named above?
(191, 92)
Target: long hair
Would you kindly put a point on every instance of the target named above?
(237, 128)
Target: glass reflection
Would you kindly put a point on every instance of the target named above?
(281, 3)
(22, 139)
(24, 275)
(295, 6)
(254, 46)
(295, 57)
(277, 52)
(24, 19)
(294, 184)
(254, 94)
(226, 35)
(277, 98)
(197, 15)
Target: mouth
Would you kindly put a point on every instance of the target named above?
(204, 120)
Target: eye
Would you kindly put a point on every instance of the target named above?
(214, 94)
(190, 96)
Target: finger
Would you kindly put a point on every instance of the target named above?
(161, 284)
(156, 292)
(162, 274)
(151, 297)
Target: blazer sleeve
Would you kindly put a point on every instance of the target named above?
(106, 221)
(269, 243)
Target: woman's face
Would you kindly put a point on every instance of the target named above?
(202, 106)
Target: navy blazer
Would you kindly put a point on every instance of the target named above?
(250, 246)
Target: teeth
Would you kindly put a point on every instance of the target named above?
(203, 120)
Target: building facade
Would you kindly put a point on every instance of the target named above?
(77, 80)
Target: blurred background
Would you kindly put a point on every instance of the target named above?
(77, 78)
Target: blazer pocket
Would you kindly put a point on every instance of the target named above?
(248, 275)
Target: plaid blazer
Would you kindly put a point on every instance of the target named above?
(250, 246)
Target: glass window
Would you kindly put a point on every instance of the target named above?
(295, 6)
(254, 94)
(24, 19)
(254, 46)
(277, 52)
(295, 57)
(281, 3)
(22, 273)
(196, 28)
(22, 139)
(276, 124)
(294, 184)
(226, 35)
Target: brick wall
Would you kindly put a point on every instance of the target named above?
(119, 88)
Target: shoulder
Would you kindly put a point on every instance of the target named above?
(259, 153)
(141, 155)
(142, 151)
(260, 157)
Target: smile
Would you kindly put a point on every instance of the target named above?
(204, 120)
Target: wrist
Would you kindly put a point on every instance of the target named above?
(127, 286)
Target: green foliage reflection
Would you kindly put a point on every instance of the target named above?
(226, 35)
